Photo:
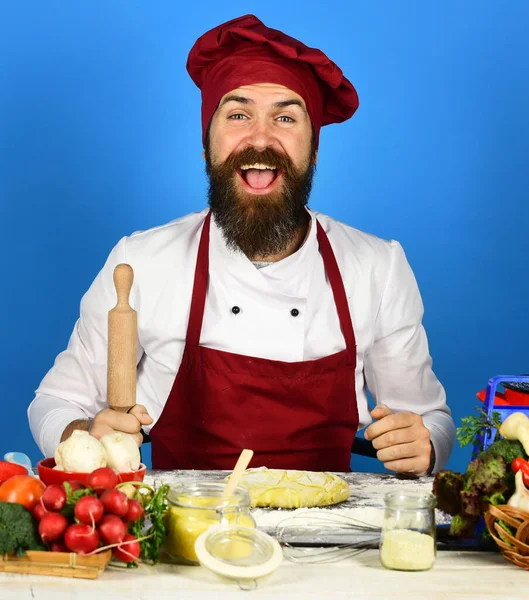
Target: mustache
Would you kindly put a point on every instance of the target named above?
(268, 156)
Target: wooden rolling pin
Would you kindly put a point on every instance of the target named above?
(122, 344)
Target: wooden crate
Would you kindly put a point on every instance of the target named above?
(59, 564)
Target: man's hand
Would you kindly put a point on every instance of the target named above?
(108, 421)
(401, 439)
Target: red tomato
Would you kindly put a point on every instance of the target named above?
(22, 489)
(519, 464)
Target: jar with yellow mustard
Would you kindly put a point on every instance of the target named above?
(193, 507)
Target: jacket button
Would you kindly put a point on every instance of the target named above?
(235, 310)
(294, 312)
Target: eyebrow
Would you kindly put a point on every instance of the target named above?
(282, 104)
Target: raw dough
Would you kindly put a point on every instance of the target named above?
(275, 488)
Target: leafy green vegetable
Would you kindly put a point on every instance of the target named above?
(474, 428)
(505, 526)
(447, 487)
(507, 449)
(495, 499)
(488, 480)
(152, 525)
(72, 497)
(484, 477)
(463, 526)
(18, 530)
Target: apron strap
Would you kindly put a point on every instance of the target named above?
(200, 286)
(338, 290)
(198, 300)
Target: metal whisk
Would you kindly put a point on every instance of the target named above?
(309, 537)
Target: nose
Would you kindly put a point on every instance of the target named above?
(260, 136)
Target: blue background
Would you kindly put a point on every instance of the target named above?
(100, 136)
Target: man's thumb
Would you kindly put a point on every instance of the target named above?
(144, 417)
(140, 412)
(380, 411)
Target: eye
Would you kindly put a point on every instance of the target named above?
(285, 119)
(237, 117)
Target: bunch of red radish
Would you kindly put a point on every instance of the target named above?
(100, 520)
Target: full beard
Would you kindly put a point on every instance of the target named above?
(259, 225)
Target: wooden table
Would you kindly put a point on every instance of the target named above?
(455, 575)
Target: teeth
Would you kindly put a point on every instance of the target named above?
(259, 166)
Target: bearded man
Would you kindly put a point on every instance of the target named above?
(261, 323)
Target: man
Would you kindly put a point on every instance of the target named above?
(260, 322)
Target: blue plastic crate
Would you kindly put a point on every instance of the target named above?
(489, 407)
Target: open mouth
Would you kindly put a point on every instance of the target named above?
(259, 178)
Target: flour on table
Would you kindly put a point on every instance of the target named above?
(313, 517)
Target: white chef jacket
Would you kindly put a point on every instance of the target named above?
(386, 310)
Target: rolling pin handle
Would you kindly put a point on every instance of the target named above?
(123, 278)
(122, 344)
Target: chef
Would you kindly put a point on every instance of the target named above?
(261, 323)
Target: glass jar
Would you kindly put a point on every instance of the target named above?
(196, 505)
(407, 541)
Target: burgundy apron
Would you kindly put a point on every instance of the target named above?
(300, 415)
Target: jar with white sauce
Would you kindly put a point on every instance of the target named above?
(407, 541)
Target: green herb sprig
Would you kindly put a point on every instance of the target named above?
(473, 427)
(72, 497)
(152, 525)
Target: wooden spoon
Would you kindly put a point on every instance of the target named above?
(240, 466)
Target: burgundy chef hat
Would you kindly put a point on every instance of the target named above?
(245, 51)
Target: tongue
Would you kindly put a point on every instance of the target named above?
(259, 178)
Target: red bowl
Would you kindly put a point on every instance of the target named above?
(49, 475)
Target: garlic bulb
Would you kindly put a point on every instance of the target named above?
(520, 498)
(81, 453)
(123, 454)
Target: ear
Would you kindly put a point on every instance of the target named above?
(316, 157)
(203, 155)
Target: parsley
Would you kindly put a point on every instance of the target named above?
(152, 525)
(473, 427)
